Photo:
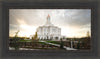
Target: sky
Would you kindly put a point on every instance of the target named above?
(73, 22)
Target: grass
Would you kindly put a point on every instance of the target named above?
(25, 41)
(55, 42)
(42, 43)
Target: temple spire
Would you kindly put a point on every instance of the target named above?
(48, 17)
(48, 23)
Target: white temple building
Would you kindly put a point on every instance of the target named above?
(48, 31)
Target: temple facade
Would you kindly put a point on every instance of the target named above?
(48, 31)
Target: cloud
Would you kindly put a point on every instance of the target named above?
(77, 19)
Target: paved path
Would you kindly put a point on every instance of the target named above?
(67, 48)
(11, 48)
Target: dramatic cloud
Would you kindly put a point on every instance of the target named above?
(75, 22)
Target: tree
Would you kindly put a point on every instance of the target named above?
(35, 39)
(35, 36)
(16, 45)
(88, 35)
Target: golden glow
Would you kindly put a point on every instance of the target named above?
(74, 31)
(27, 31)
(68, 31)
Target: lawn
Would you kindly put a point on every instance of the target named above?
(25, 40)
(55, 42)
(42, 43)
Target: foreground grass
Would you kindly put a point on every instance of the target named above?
(42, 43)
(25, 40)
(55, 42)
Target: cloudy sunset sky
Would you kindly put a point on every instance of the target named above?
(73, 22)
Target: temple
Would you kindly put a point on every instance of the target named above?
(48, 31)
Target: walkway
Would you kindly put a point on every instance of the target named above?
(11, 48)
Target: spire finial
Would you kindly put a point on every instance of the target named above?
(48, 17)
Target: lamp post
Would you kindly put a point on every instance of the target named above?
(47, 36)
(61, 43)
(71, 43)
